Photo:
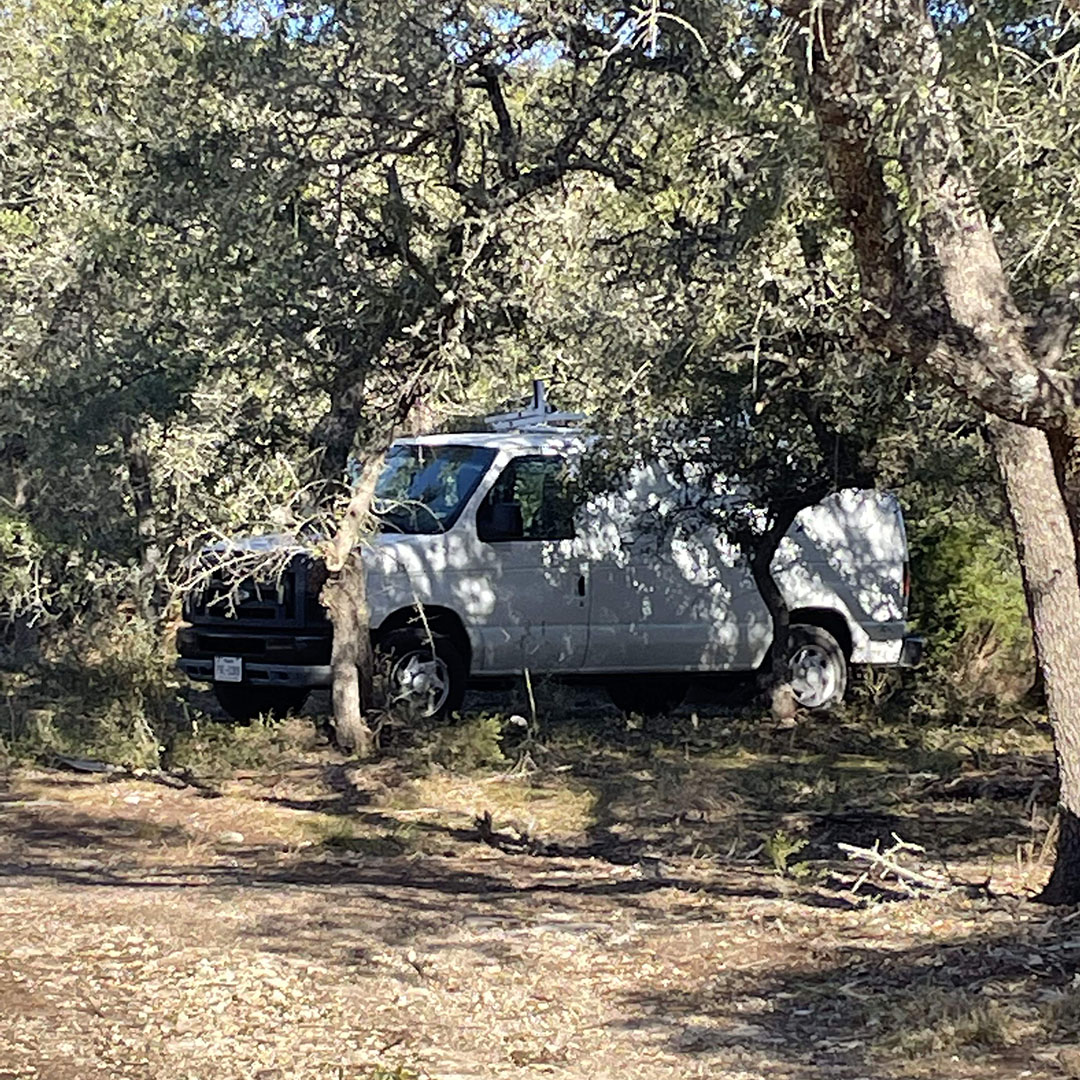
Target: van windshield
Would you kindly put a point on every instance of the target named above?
(423, 489)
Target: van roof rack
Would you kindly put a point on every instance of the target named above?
(539, 416)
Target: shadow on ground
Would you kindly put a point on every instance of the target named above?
(1000, 1000)
(669, 875)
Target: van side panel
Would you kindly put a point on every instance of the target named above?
(649, 588)
(848, 553)
(668, 591)
(684, 600)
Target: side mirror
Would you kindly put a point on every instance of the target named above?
(500, 521)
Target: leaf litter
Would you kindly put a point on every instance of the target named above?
(298, 926)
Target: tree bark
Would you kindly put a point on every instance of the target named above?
(351, 661)
(983, 338)
(344, 595)
(760, 552)
(137, 464)
(1048, 560)
(954, 311)
(1065, 451)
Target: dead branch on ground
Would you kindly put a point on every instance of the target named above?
(884, 863)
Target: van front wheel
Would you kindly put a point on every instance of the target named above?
(425, 674)
(817, 668)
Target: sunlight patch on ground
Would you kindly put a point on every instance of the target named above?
(554, 808)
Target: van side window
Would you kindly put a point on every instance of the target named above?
(529, 501)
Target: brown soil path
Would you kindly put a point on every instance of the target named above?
(156, 933)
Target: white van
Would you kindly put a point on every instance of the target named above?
(483, 569)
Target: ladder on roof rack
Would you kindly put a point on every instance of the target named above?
(539, 416)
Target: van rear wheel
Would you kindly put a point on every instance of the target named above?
(817, 668)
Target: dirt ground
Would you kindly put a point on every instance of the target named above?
(635, 916)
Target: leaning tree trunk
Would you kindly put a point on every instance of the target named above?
(876, 87)
(989, 346)
(1048, 558)
(760, 551)
(352, 661)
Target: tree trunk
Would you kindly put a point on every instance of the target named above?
(1048, 558)
(875, 74)
(760, 552)
(987, 344)
(876, 87)
(137, 463)
(1064, 884)
(352, 661)
(1065, 450)
(335, 433)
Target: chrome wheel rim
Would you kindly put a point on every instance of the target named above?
(813, 676)
(421, 682)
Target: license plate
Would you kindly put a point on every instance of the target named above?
(228, 669)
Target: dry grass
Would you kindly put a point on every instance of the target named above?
(555, 809)
(944, 1023)
(323, 919)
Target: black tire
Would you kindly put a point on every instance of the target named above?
(817, 667)
(424, 675)
(243, 702)
(648, 695)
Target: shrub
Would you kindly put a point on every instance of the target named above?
(475, 742)
(100, 687)
(968, 598)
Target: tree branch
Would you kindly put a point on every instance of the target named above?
(507, 139)
(957, 315)
(1054, 324)
(886, 862)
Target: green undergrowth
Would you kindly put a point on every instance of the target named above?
(115, 712)
(216, 750)
(969, 602)
(709, 782)
(342, 834)
(473, 742)
(101, 684)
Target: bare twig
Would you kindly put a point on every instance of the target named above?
(886, 862)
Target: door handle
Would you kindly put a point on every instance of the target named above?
(581, 585)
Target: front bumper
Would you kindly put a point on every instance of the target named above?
(301, 676)
(269, 658)
(911, 652)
